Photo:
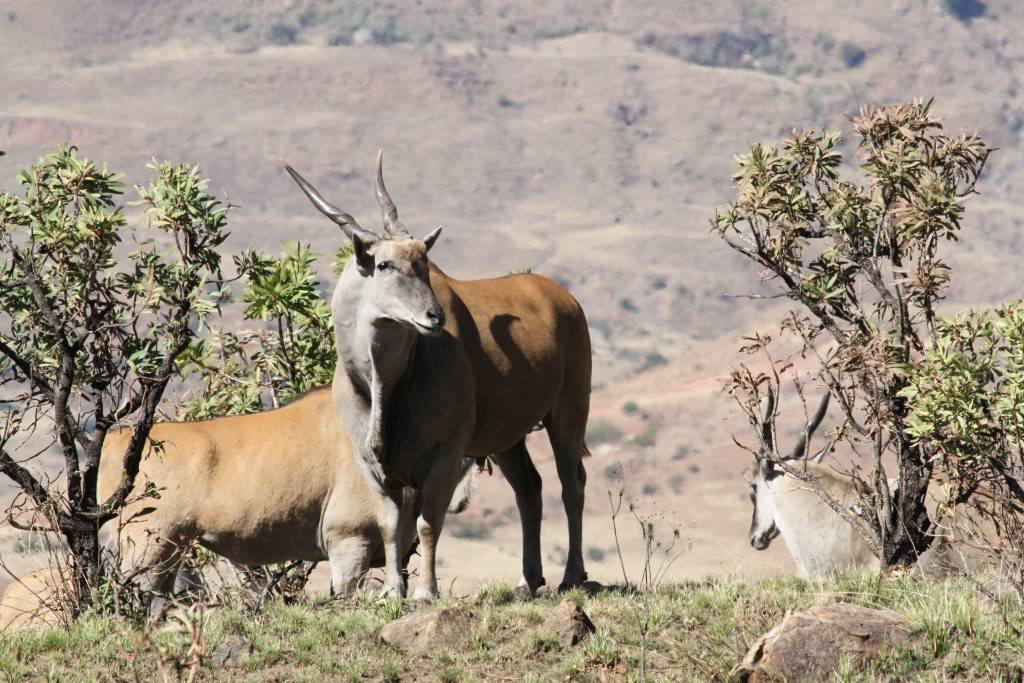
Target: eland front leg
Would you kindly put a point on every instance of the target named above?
(437, 495)
(389, 515)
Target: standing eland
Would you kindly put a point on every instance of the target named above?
(432, 369)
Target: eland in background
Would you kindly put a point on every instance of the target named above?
(819, 540)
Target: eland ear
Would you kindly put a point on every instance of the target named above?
(817, 457)
(360, 250)
(432, 237)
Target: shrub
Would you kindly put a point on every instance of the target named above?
(651, 360)
(964, 10)
(861, 262)
(646, 436)
(601, 431)
(281, 34)
(470, 528)
(852, 55)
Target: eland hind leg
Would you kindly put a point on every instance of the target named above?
(517, 467)
(567, 425)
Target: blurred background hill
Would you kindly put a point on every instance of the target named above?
(590, 141)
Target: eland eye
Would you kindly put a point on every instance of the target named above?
(385, 265)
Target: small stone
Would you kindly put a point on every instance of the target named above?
(569, 621)
(231, 651)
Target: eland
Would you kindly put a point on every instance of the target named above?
(821, 542)
(261, 488)
(432, 369)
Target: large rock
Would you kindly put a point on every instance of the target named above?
(430, 631)
(808, 645)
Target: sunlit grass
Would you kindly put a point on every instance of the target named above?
(696, 630)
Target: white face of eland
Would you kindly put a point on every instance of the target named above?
(394, 278)
(764, 475)
(762, 526)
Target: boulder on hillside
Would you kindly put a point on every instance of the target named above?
(443, 629)
(808, 645)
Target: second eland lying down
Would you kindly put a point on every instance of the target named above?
(268, 487)
(432, 369)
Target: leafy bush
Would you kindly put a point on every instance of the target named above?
(749, 48)
(862, 262)
(469, 528)
(652, 360)
(964, 10)
(90, 339)
(281, 34)
(647, 436)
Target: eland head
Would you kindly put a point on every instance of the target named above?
(392, 266)
(764, 474)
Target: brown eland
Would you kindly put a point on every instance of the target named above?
(267, 487)
(432, 369)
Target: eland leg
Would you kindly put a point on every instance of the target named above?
(151, 561)
(437, 491)
(389, 514)
(517, 468)
(350, 561)
(567, 425)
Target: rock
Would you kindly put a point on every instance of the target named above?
(808, 645)
(570, 622)
(231, 651)
(430, 631)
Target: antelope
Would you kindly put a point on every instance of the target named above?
(432, 369)
(30, 602)
(40, 599)
(267, 487)
(819, 540)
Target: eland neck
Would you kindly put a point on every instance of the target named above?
(374, 352)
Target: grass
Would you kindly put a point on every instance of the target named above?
(697, 631)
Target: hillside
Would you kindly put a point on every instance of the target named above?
(590, 141)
